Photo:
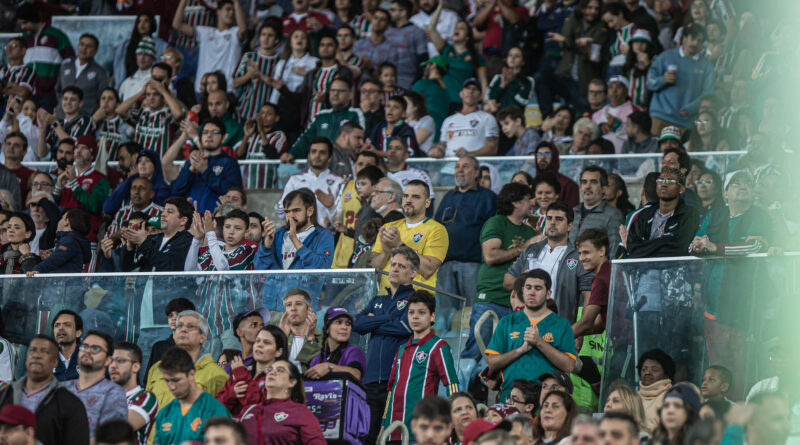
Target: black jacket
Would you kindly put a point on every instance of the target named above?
(678, 233)
(159, 348)
(69, 255)
(150, 257)
(60, 415)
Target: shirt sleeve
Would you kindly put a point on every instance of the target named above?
(491, 127)
(492, 229)
(446, 368)
(566, 340)
(497, 344)
(438, 244)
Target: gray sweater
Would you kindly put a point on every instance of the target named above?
(604, 216)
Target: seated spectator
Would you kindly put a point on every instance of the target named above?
(262, 139)
(174, 307)
(595, 211)
(756, 421)
(155, 119)
(254, 227)
(103, 399)
(191, 331)
(145, 58)
(584, 131)
(355, 210)
(209, 172)
(347, 148)
(705, 134)
(555, 417)
(44, 212)
(283, 415)
(524, 396)
(304, 19)
(126, 363)
(245, 386)
(16, 256)
(499, 411)
(618, 427)
(147, 166)
(60, 414)
(299, 323)
(189, 406)
(677, 414)
(713, 215)
(463, 410)
(394, 127)
(612, 118)
(13, 153)
(230, 253)
(85, 73)
(656, 370)
(375, 49)
(385, 202)
(519, 356)
(17, 77)
(431, 421)
(398, 170)
(337, 354)
(387, 75)
(511, 88)
(624, 400)
(409, 383)
(67, 328)
(557, 128)
(219, 106)
(425, 129)
(554, 381)
(22, 116)
(224, 429)
(679, 78)
(717, 381)
(72, 249)
(639, 140)
(677, 158)
(117, 431)
(470, 130)
(126, 56)
(162, 252)
(300, 244)
(617, 194)
(664, 229)
(547, 159)
(512, 122)
(141, 200)
(584, 430)
(14, 416)
(73, 125)
(112, 127)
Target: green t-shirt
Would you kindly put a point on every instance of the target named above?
(592, 347)
(174, 427)
(510, 334)
(490, 276)
(459, 69)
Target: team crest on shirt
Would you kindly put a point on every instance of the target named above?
(91, 75)
(217, 170)
(401, 304)
(329, 182)
(280, 417)
(571, 263)
(196, 424)
(348, 196)
(548, 337)
(417, 237)
(324, 126)
(473, 123)
(421, 356)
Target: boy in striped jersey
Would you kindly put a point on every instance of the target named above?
(155, 121)
(419, 365)
(257, 70)
(73, 125)
(261, 141)
(109, 124)
(16, 77)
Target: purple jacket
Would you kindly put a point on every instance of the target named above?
(352, 356)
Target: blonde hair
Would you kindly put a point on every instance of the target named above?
(633, 405)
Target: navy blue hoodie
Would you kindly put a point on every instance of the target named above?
(69, 255)
(161, 189)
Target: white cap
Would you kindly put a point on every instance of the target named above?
(621, 79)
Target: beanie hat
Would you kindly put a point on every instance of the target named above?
(147, 46)
(89, 141)
(670, 132)
(28, 12)
(687, 394)
(641, 35)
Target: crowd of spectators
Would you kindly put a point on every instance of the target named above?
(143, 175)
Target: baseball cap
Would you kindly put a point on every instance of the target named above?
(619, 79)
(738, 174)
(17, 415)
(337, 311)
(480, 426)
(670, 132)
(471, 81)
(561, 377)
(260, 311)
(436, 60)
(155, 221)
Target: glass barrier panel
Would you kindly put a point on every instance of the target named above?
(700, 312)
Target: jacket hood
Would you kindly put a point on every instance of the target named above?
(555, 163)
(85, 245)
(494, 175)
(158, 175)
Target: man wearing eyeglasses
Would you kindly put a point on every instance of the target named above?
(668, 228)
(124, 371)
(102, 398)
(209, 173)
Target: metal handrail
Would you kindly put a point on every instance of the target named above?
(404, 435)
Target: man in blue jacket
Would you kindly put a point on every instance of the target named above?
(386, 319)
(679, 78)
(210, 173)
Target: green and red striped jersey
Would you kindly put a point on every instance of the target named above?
(154, 129)
(257, 93)
(22, 75)
(45, 53)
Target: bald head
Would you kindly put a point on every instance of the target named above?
(217, 103)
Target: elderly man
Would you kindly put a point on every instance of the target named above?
(191, 331)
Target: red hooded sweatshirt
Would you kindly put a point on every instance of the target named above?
(569, 189)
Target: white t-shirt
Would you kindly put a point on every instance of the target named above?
(468, 131)
(293, 80)
(297, 345)
(219, 50)
(408, 174)
(35, 242)
(549, 260)
(327, 180)
(288, 250)
(427, 123)
(447, 23)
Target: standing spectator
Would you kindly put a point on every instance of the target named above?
(618, 428)
(496, 20)
(637, 63)
(218, 48)
(23, 117)
(84, 73)
(262, 140)
(512, 122)
(593, 248)
(355, 208)
(431, 422)
(304, 19)
(223, 430)
(642, 19)
(14, 151)
(470, 130)
(209, 173)
(559, 259)
(543, 341)
(191, 331)
(370, 103)
(376, 49)
(408, 40)
(417, 117)
(189, 406)
(679, 78)
(102, 398)
(325, 184)
(637, 129)
(503, 238)
(717, 381)
(433, 89)
(174, 307)
(11, 418)
(596, 95)
(445, 22)
(297, 59)
(346, 151)
(510, 88)
(165, 251)
(47, 48)
(73, 125)
(300, 244)
(246, 326)
(154, 121)
(145, 58)
(346, 38)
(617, 18)
(397, 169)
(428, 237)
(613, 116)
(595, 211)
(299, 323)
(124, 371)
(67, 328)
(111, 127)
(394, 127)
(385, 319)
(17, 78)
(677, 415)
(419, 365)
(666, 229)
(547, 160)
(549, 19)
(258, 69)
(126, 57)
(463, 212)
(60, 415)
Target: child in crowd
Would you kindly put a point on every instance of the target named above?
(72, 249)
(394, 126)
(717, 381)
(512, 122)
(387, 76)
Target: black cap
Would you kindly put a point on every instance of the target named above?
(471, 81)
(561, 377)
(179, 305)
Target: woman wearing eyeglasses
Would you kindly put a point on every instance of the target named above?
(244, 387)
(282, 418)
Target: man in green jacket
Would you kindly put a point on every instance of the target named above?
(299, 323)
